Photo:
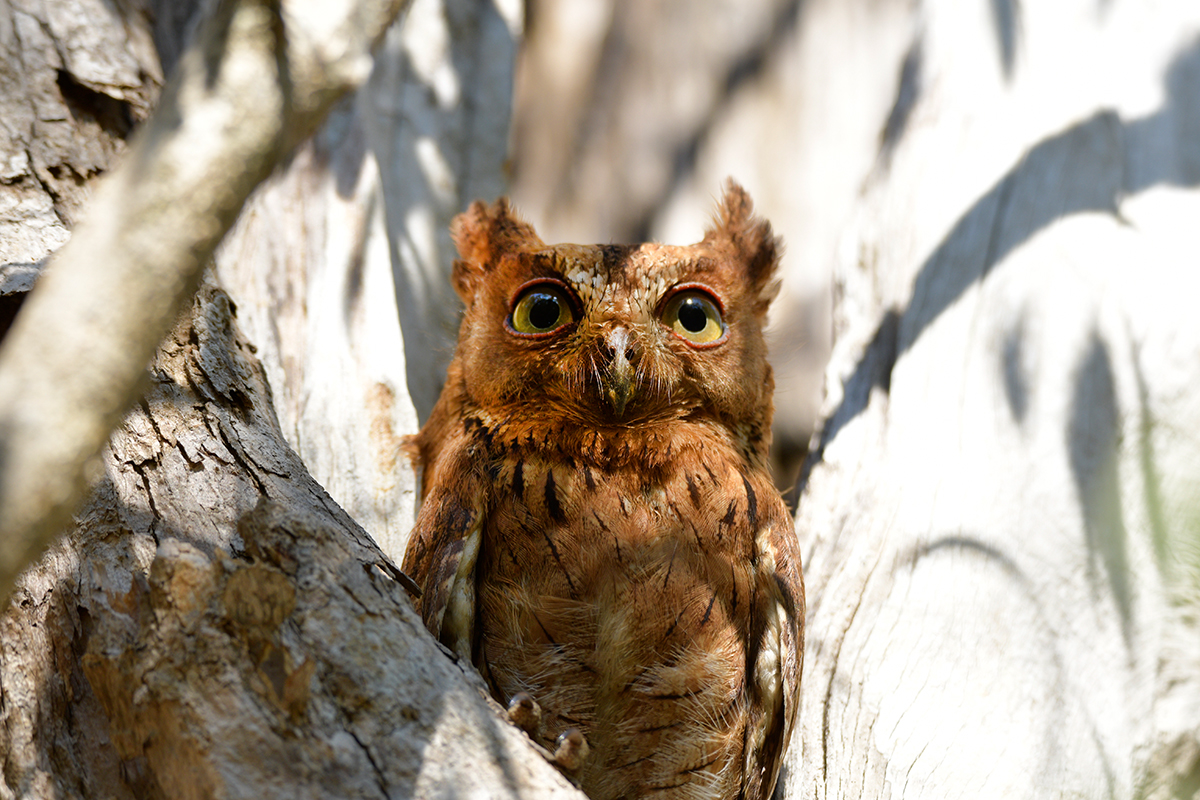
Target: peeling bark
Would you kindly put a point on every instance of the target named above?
(75, 77)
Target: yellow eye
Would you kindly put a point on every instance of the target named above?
(693, 315)
(541, 308)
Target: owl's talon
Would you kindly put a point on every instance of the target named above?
(524, 712)
(571, 751)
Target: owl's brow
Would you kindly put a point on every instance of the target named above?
(660, 274)
(552, 263)
(697, 265)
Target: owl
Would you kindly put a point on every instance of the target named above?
(599, 533)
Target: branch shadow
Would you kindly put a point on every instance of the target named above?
(435, 156)
(1088, 167)
(991, 557)
(1092, 441)
(748, 67)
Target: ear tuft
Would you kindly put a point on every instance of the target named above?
(484, 234)
(748, 238)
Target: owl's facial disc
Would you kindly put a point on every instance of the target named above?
(619, 378)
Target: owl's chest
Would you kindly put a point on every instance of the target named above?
(571, 531)
(624, 605)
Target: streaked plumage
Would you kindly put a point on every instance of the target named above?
(599, 527)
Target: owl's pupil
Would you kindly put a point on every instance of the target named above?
(692, 316)
(543, 312)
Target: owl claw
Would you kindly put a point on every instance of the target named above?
(524, 712)
(572, 750)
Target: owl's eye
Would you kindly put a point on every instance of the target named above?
(693, 315)
(541, 308)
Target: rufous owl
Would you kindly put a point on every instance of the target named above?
(599, 532)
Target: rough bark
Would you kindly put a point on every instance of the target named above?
(308, 268)
(74, 79)
(1000, 524)
(215, 626)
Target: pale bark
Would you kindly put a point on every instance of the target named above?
(438, 120)
(1000, 527)
(365, 207)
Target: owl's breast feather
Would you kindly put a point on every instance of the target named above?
(631, 605)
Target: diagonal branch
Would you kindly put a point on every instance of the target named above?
(258, 80)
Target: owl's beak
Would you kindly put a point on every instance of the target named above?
(619, 383)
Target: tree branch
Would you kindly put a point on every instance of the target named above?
(258, 80)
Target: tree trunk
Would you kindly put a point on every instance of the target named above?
(354, 236)
(1000, 521)
(215, 626)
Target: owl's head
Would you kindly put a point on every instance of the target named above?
(612, 338)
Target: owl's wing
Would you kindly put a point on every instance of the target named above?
(441, 557)
(778, 666)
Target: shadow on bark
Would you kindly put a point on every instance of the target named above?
(1087, 168)
(1092, 441)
